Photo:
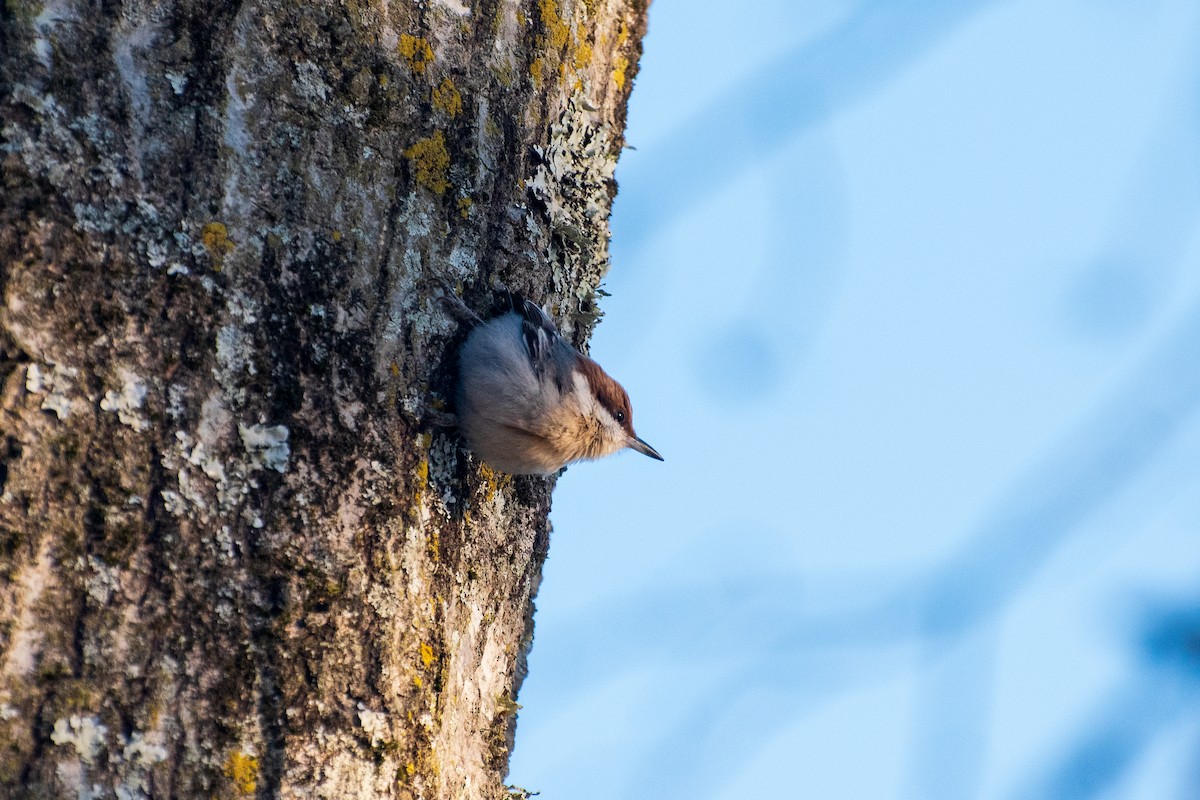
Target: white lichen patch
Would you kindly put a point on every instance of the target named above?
(128, 402)
(174, 503)
(267, 445)
(178, 82)
(577, 167)
(463, 262)
(176, 396)
(214, 477)
(84, 733)
(103, 581)
(310, 83)
(374, 724)
(383, 599)
(574, 182)
(57, 383)
(25, 637)
(141, 752)
(194, 490)
(455, 6)
(234, 347)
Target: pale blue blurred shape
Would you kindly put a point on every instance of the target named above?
(907, 296)
(738, 362)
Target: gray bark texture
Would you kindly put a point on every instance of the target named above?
(234, 558)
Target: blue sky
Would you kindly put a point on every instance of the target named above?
(907, 295)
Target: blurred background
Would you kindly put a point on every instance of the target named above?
(907, 295)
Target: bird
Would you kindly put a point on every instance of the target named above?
(529, 403)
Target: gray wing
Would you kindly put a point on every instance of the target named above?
(537, 330)
(548, 351)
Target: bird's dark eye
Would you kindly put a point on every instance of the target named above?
(620, 417)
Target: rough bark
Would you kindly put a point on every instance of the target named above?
(235, 561)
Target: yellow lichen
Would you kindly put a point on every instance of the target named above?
(426, 655)
(583, 56)
(492, 482)
(506, 705)
(337, 236)
(423, 472)
(557, 31)
(618, 74)
(621, 63)
(215, 238)
(447, 98)
(535, 70)
(417, 51)
(242, 769)
(431, 162)
(422, 481)
(464, 206)
(435, 546)
(417, 682)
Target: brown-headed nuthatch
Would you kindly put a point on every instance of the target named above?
(529, 403)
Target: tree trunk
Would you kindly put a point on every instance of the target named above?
(235, 560)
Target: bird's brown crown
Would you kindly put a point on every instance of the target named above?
(608, 392)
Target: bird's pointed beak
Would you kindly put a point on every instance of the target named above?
(637, 444)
